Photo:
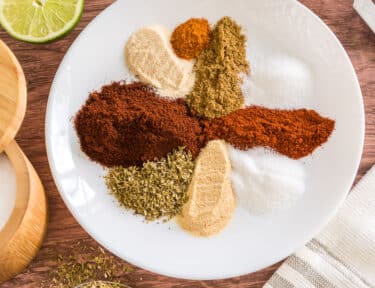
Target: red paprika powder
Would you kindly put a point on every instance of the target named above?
(294, 133)
(128, 124)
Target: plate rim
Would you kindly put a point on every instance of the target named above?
(202, 276)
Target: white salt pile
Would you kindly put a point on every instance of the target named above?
(278, 81)
(266, 181)
(7, 189)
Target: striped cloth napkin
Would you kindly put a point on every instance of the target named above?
(366, 9)
(343, 255)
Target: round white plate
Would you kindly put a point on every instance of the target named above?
(292, 53)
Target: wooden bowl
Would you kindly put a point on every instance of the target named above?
(12, 96)
(22, 236)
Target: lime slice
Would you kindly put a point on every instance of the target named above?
(39, 21)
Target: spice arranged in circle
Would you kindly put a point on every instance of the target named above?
(165, 140)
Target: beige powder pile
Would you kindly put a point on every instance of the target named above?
(150, 56)
(211, 199)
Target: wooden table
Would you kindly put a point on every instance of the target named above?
(40, 63)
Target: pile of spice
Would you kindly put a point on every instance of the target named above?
(150, 56)
(211, 199)
(84, 263)
(217, 89)
(294, 133)
(266, 181)
(190, 38)
(129, 124)
(167, 157)
(156, 190)
(101, 284)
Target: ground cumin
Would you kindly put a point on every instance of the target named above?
(217, 88)
(128, 124)
(190, 38)
(294, 133)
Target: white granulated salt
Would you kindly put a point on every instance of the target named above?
(279, 81)
(266, 181)
(7, 189)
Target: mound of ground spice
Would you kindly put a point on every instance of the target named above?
(190, 38)
(217, 88)
(155, 190)
(128, 124)
(294, 133)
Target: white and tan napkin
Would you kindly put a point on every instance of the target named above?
(343, 255)
(366, 9)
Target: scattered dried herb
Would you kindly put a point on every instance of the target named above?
(85, 263)
(101, 284)
(217, 89)
(156, 190)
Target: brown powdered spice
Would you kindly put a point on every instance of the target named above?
(190, 38)
(295, 133)
(217, 89)
(128, 124)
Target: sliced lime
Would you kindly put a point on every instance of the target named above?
(39, 21)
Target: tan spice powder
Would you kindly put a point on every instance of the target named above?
(211, 199)
(217, 89)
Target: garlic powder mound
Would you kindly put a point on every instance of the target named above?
(211, 200)
(150, 56)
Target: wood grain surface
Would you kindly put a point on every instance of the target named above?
(40, 63)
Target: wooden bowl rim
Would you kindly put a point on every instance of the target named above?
(15, 155)
(16, 121)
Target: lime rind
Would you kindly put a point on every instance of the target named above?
(52, 22)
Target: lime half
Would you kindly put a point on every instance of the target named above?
(39, 21)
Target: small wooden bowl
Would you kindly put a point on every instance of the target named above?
(13, 95)
(23, 234)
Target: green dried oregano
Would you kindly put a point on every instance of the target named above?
(156, 190)
(101, 284)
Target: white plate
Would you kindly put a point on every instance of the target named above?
(281, 35)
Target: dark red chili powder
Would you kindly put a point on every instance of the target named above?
(128, 124)
(294, 133)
